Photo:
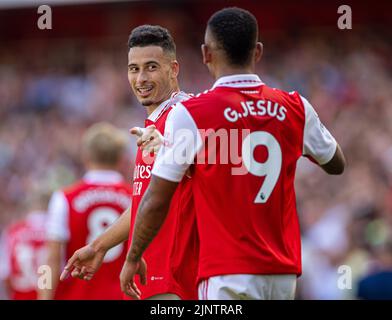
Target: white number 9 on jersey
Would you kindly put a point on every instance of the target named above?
(270, 168)
(98, 221)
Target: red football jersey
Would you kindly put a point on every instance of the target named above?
(172, 256)
(91, 208)
(247, 140)
(23, 252)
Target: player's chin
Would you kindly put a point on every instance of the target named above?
(146, 99)
(146, 102)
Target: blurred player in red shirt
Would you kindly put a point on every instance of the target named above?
(172, 257)
(23, 250)
(246, 210)
(80, 213)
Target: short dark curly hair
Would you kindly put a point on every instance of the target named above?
(148, 35)
(236, 31)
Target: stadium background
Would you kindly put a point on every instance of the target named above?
(55, 83)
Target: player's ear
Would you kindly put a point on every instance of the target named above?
(258, 51)
(206, 52)
(175, 68)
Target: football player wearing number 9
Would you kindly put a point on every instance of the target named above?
(247, 221)
(81, 212)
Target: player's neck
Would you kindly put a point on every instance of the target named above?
(151, 108)
(223, 71)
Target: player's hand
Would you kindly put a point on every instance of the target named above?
(127, 277)
(149, 139)
(84, 263)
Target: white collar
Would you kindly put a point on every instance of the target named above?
(102, 176)
(174, 98)
(239, 81)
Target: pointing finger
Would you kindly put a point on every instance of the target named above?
(137, 131)
(68, 266)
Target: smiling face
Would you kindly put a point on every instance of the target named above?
(152, 74)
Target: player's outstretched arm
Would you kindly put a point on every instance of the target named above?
(337, 164)
(86, 261)
(150, 217)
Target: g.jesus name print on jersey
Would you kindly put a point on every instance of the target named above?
(256, 108)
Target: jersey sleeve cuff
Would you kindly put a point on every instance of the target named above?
(328, 155)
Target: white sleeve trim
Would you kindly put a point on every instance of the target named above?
(58, 223)
(318, 141)
(182, 142)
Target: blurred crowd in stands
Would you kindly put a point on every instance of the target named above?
(51, 91)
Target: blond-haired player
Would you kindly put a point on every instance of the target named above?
(81, 212)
